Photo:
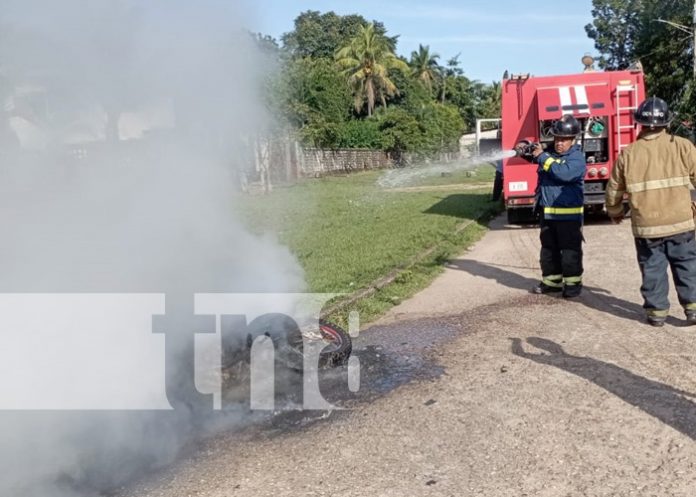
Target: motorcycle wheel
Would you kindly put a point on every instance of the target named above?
(335, 342)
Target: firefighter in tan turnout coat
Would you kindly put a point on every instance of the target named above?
(655, 172)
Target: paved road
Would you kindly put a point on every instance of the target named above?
(477, 388)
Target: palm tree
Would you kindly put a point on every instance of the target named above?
(424, 66)
(494, 97)
(497, 93)
(366, 60)
(451, 70)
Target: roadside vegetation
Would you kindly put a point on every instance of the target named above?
(339, 83)
(348, 233)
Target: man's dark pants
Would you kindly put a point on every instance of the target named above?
(654, 255)
(561, 251)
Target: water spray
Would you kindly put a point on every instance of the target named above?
(395, 178)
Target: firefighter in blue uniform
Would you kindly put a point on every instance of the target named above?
(560, 200)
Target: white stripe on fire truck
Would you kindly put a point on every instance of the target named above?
(564, 95)
(581, 97)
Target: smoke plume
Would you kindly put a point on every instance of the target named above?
(123, 126)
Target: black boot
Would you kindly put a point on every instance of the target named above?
(690, 316)
(544, 288)
(657, 319)
(572, 291)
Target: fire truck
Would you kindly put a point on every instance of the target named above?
(603, 102)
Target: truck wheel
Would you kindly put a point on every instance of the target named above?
(513, 216)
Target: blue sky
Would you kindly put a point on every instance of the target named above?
(543, 37)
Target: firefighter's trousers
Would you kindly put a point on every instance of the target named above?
(561, 252)
(654, 255)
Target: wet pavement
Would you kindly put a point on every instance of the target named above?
(476, 388)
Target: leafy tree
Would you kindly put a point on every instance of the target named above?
(465, 95)
(367, 60)
(435, 128)
(665, 51)
(413, 96)
(452, 70)
(320, 35)
(424, 66)
(360, 133)
(332, 101)
(614, 29)
(441, 126)
(400, 131)
(312, 95)
(628, 30)
(267, 45)
(488, 99)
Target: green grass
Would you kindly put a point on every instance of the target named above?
(346, 232)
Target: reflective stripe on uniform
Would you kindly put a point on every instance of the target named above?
(667, 229)
(563, 210)
(658, 313)
(690, 306)
(548, 163)
(658, 184)
(555, 281)
(572, 280)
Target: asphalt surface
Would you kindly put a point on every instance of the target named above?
(475, 387)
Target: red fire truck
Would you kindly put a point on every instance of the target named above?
(603, 102)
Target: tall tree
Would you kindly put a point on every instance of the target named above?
(464, 94)
(312, 97)
(488, 99)
(424, 66)
(666, 51)
(367, 60)
(614, 29)
(656, 32)
(267, 44)
(452, 70)
(320, 35)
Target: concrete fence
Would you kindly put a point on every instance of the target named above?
(261, 162)
(319, 162)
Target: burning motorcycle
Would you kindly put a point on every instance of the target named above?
(329, 344)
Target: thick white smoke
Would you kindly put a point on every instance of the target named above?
(122, 126)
